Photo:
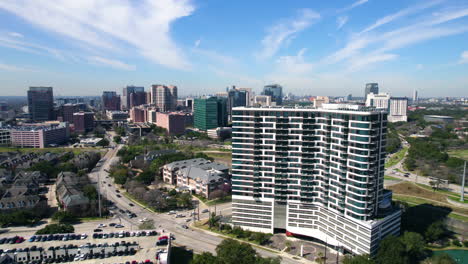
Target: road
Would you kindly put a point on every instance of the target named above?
(195, 239)
(413, 177)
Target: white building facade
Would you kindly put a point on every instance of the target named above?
(313, 172)
(398, 109)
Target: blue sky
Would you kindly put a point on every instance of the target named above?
(310, 47)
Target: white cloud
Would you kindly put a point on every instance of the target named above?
(197, 43)
(13, 68)
(215, 56)
(400, 14)
(372, 47)
(363, 61)
(464, 57)
(355, 4)
(286, 30)
(341, 21)
(16, 34)
(293, 65)
(116, 64)
(111, 25)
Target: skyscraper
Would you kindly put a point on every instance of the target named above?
(164, 97)
(236, 98)
(210, 113)
(415, 96)
(133, 96)
(41, 103)
(275, 91)
(110, 101)
(371, 88)
(83, 121)
(313, 172)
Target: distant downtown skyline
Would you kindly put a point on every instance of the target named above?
(309, 47)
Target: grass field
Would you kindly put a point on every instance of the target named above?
(221, 157)
(451, 195)
(459, 153)
(416, 195)
(390, 178)
(397, 157)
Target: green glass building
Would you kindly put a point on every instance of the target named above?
(210, 113)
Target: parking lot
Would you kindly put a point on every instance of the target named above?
(114, 247)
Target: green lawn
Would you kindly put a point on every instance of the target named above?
(397, 157)
(226, 199)
(451, 195)
(413, 201)
(390, 178)
(459, 153)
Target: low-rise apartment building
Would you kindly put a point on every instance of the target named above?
(200, 176)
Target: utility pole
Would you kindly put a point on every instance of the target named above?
(462, 194)
(99, 194)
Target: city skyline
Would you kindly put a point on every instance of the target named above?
(308, 48)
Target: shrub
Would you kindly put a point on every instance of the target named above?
(456, 243)
(56, 229)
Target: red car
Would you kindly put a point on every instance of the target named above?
(163, 237)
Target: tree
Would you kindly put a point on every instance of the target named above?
(90, 192)
(56, 229)
(117, 139)
(103, 143)
(213, 220)
(320, 258)
(64, 217)
(391, 251)
(147, 225)
(205, 258)
(184, 200)
(359, 259)
(435, 231)
(146, 177)
(230, 251)
(414, 244)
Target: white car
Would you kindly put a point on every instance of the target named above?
(101, 225)
(84, 236)
(143, 220)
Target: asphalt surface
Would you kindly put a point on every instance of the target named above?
(198, 241)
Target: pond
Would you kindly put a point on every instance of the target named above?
(460, 256)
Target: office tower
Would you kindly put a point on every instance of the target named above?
(66, 112)
(415, 96)
(381, 100)
(41, 103)
(110, 101)
(164, 97)
(275, 91)
(313, 172)
(349, 97)
(210, 113)
(83, 121)
(250, 95)
(132, 96)
(398, 109)
(371, 88)
(189, 103)
(236, 98)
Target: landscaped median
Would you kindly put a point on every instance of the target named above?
(397, 157)
(205, 228)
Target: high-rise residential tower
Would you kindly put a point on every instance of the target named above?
(371, 88)
(398, 109)
(133, 96)
(41, 103)
(164, 97)
(313, 172)
(275, 91)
